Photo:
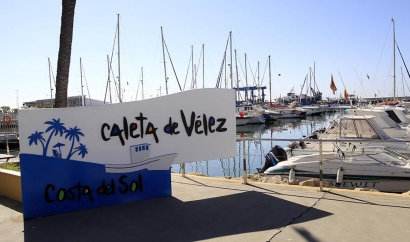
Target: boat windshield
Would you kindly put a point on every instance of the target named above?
(351, 128)
(388, 159)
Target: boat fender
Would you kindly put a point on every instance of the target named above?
(339, 176)
(292, 174)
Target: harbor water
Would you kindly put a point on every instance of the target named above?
(256, 149)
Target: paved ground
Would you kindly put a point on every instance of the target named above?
(208, 209)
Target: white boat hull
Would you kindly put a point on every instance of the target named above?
(382, 185)
(242, 121)
(373, 171)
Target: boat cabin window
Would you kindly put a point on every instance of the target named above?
(393, 116)
(357, 128)
(141, 148)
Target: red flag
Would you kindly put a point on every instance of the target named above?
(332, 85)
(346, 95)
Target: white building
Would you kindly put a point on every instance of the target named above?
(73, 101)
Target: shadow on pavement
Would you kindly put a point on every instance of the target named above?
(16, 206)
(169, 219)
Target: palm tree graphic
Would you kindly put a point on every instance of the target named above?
(58, 128)
(36, 137)
(81, 149)
(73, 134)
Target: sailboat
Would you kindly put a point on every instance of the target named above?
(312, 95)
(395, 100)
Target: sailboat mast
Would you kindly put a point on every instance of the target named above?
(314, 77)
(51, 87)
(142, 82)
(81, 78)
(394, 60)
(195, 74)
(270, 85)
(193, 68)
(225, 73)
(165, 67)
(119, 65)
(237, 75)
(230, 67)
(259, 84)
(246, 81)
(203, 66)
(109, 81)
(402, 81)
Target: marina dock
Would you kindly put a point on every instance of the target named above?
(212, 209)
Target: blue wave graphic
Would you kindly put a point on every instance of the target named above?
(52, 185)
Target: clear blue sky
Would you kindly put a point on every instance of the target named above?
(347, 38)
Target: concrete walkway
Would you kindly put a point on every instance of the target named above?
(209, 209)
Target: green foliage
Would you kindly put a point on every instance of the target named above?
(14, 166)
(5, 108)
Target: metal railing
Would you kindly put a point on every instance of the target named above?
(319, 151)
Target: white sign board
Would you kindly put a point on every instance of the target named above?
(197, 125)
(116, 142)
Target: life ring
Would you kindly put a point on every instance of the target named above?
(6, 119)
(241, 114)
